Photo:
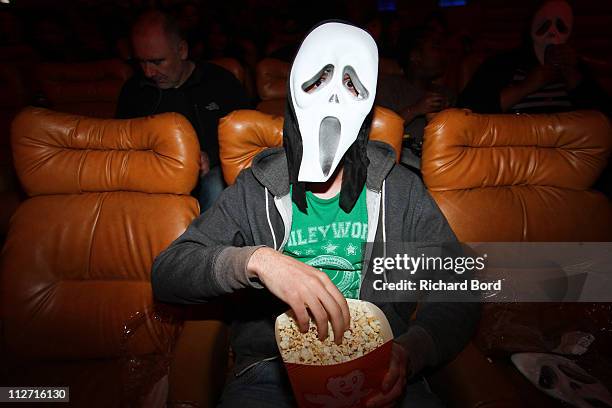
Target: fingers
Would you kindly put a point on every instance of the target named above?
(562, 53)
(394, 381)
(392, 375)
(340, 301)
(301, 316)
(336, 318)
(332, 302)
(320, 316)
(392, 396)
(325, 303)
(306, 289)
(382, 400)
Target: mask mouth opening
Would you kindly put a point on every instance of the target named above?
(329, 139)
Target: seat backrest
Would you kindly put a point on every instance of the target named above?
(105, 197)
(87, 88)
(271, 82)
(245, 133)
(519, 177)
(274, 107)
(232, 65)
(271, 78)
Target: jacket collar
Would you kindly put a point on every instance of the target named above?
(270, 168)
(382, 160)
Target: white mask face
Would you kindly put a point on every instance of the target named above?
(332, 85)
(552, 24)
(561, 378)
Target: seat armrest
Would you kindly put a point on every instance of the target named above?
(199, 366)
(471, 381)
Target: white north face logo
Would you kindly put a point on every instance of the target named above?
(212, 106)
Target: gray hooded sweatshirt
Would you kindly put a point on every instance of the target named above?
(209, 260)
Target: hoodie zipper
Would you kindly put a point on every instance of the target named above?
(375, 200)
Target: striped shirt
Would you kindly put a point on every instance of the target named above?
(550, 98)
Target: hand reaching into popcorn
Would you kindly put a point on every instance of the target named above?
(366, 334)
(394, 382)
(305, 289)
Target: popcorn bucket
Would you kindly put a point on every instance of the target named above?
(343, 385)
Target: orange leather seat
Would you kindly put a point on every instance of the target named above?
(271, 78)
(519, 177)
(233, 66)
(271, 82)
(245, 133)
(88, 88)
(105, 197)
(510, 178)
(243, 75)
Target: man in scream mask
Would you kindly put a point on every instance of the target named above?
(545, 75)
(270, 237)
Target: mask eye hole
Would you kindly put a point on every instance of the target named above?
(319, 80)
(562, 27)
(548, 378)
(353, 85)
(543, 28)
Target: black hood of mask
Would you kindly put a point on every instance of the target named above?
(355, 160)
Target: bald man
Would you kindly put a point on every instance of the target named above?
(169, 82)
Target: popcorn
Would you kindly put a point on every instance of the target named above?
(364, 335)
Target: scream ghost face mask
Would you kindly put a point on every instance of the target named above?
(561, 378)
(332, 85)
(551, 24)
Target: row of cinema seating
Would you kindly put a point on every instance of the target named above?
(92, 89)
(75, 299)
(88, 88)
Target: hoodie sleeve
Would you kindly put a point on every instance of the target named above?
(211, 256)
(441, 329)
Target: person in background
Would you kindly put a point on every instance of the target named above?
(417, 93)
(545, 75)
(170, 82)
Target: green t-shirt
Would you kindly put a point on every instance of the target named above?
(331, 240)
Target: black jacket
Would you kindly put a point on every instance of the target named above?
(209, 93)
